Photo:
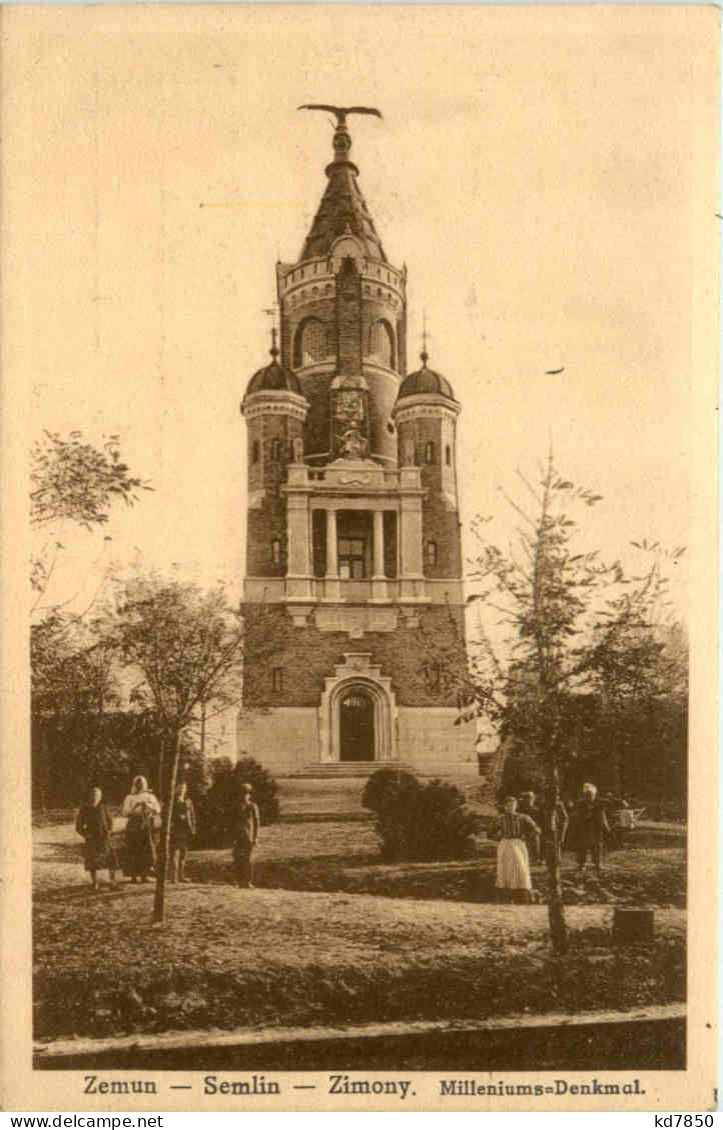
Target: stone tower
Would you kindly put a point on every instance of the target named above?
(353, 532)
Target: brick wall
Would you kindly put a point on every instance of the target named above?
(348, 320)
(268, 521)
(307, 656)
(317, 434)
(439, 523)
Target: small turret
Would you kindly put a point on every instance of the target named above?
(425, 415)
(274, 408)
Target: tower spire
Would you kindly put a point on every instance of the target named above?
(342, 209)
(272, 313)
(424, 355)
(342, 137)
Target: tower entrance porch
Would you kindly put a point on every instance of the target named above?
(356, 725)
(357, 713)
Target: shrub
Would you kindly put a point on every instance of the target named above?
(383, 784)
(425, 822)
(520, 773)
(215, 806)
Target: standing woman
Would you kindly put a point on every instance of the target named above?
(183, 829)
(245, 831)
(95, 825)
(513, 863)
(140, 806)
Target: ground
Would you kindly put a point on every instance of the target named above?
(333, 936)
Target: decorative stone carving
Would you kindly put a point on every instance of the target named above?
(358, 670)
(355, 621)
(353, 444)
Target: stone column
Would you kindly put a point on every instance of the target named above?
(298, 573)
(379, 581)
(411, 572)
(332, 564)
(378, 544)
(331, 583)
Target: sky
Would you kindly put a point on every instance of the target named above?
(541, 171)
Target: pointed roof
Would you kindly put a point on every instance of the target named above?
(343, 210)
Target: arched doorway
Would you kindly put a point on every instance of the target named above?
(356, 725)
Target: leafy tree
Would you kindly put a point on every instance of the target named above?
(566, 625)
(73, 684)
(73, 687)
(187, 648)
(73, 481)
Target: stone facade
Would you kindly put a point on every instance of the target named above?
(353, 547)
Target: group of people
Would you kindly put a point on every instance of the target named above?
(531, 832)
(143, 812)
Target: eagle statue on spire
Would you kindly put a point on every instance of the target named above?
(341, 111)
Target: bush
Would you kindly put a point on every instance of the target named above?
(425, 822)
(215, 806)
(383, 784)
(520, 773)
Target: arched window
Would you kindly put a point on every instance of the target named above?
(381, 342)
(276, 450)
(255, 451)
(429, 452)
(276, 551)
(448, 455)
(313, 342)
(431, 553)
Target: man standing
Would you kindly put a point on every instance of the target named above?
(246, 823)
(590, 827)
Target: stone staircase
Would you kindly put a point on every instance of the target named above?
(344, 770)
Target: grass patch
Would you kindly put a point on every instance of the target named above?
(337, 857)
(326, 950)
(228, 958)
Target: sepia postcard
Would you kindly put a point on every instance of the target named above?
(359, 574)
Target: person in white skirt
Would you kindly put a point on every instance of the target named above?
(513, 863)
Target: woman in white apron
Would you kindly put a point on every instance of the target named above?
(513, 863)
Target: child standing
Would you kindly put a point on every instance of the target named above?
(183, 829)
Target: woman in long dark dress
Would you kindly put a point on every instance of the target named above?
(95, 825)
(140, 806)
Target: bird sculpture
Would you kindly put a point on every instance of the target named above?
(341, 111)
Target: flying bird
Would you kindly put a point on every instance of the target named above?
(554, 372)
(341, 111)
